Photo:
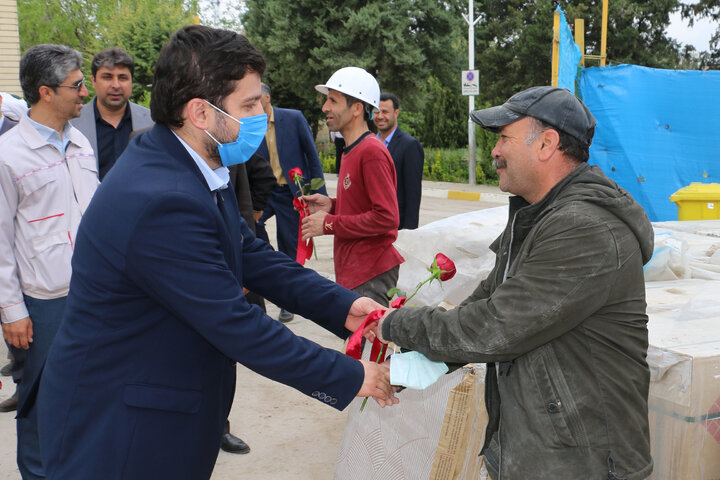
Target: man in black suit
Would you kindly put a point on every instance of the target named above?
(408, 156)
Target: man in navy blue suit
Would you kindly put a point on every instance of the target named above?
(288, 144)
(141, 376)
(408, 156)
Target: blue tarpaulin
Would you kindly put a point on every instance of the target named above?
(569, 55)
(658, 130)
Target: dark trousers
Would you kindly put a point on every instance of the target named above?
(286, 218)
(17, 356)
(46, 316)
(377, 287)
(255, 299)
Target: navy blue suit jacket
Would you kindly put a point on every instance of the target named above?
(141, 376)
(295, 146)
(409, 158)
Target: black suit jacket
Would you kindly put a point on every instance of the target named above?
(252, 182)
(409, 158)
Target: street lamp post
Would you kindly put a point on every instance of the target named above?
(471, 21)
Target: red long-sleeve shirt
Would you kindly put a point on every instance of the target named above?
(364, 217)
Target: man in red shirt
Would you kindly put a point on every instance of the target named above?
(364, 217)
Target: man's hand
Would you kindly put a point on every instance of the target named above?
(361, 308)
(376, 384)
(375, 328)
(313, 226)
(318, 202)
(19, 334)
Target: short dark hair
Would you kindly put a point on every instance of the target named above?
(199, 62)
(46, 65)
(569, 145)
(111, 57)
(367, 108)
(392, 97)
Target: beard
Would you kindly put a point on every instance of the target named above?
(387, 127)
(223, 135)
(211, 149)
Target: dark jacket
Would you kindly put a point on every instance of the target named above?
(86, 122)
(252, 182)
(561, 322)
(140, 378)
(295, 147)
(409, 157)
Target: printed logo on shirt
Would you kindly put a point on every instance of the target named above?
(347, 182)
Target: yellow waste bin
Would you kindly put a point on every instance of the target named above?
(698, 201)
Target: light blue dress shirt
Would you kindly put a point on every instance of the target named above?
(51, 135)
(216, 179)
(388, 138)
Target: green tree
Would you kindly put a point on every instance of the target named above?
(706, 9)
(445, 116)
(39, 22)
(140, 26)
(514, 39)
(145, 27)
(305, 41)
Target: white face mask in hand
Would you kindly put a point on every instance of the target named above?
(414, 370)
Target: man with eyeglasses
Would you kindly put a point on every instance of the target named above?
(48, 174)
(109, 119)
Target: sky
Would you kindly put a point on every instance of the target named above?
(697, 36)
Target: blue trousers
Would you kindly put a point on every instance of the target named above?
(46, 316)
(18, 362)
(287, 220)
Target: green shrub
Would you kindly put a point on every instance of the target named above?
(444, 164)
(486, 141)
(327, 160)
(451, 165)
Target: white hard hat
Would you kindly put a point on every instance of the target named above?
(355, 82)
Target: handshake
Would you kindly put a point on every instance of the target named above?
(376, 383)
(383, 380)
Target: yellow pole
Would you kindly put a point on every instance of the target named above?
(580, 38)
(603, 34)
(197, 20)
(555, 49)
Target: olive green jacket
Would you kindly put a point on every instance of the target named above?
(561, 322)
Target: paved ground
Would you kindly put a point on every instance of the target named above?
(291, 436)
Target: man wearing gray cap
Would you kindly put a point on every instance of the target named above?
(560, 319)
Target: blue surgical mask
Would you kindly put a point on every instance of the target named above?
(414, 370)
(250, 135)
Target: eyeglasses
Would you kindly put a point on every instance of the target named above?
(77, 85)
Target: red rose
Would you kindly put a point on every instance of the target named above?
(446, 265)
(442, 268)
(294, 173)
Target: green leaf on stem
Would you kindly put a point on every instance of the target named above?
(316, 183)
(392, 292)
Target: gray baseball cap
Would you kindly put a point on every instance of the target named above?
(554, 106)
